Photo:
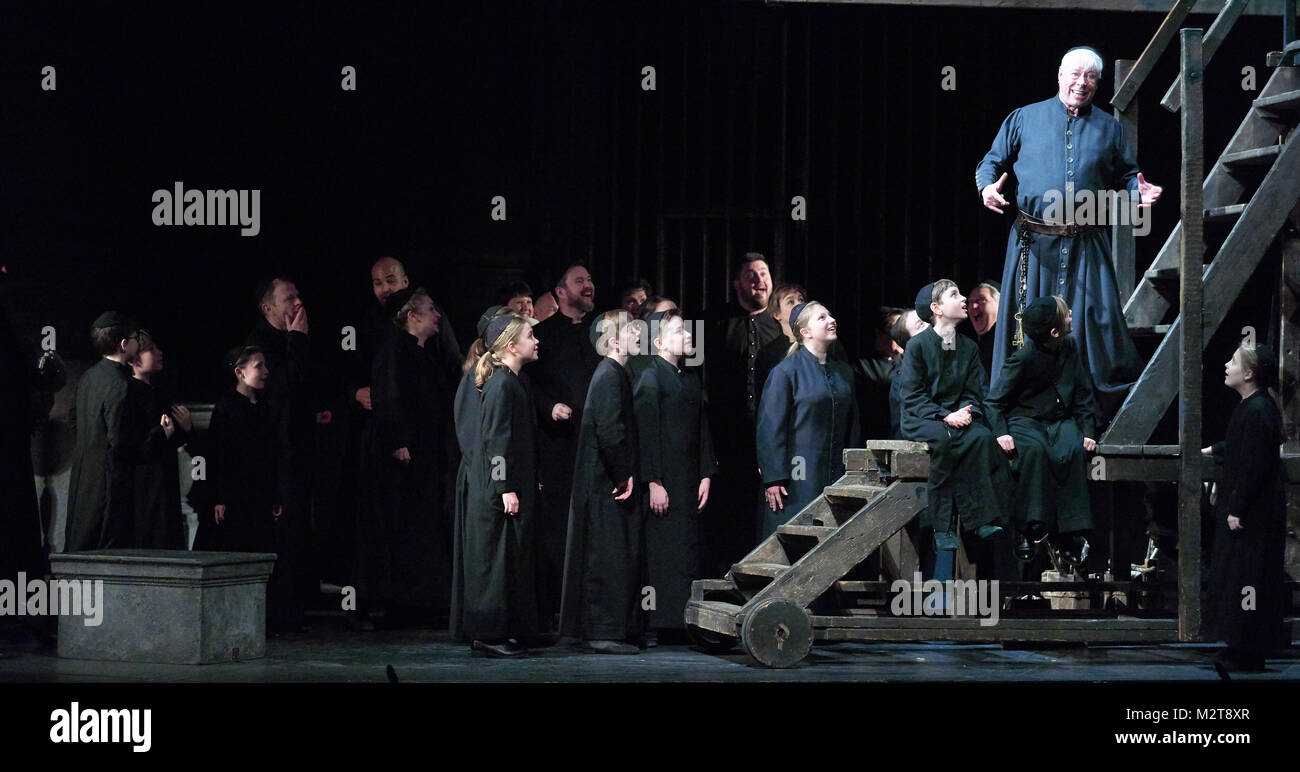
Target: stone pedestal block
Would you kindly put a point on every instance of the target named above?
(168, 606)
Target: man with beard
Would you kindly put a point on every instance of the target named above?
(731, 352)
(560, 378)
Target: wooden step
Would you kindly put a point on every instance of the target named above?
(714, 615)
(1156, 275)
(1260, 156)
(817, 532)
(759, 570)
(1224, 213)
(852, 491)
(1287, 102)
(700, 587)
(1150, 331)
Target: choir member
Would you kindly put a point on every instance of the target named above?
(497, 541)
(632, 294)
(518, 297)
(807, 418)
(560, 378)
(242, 465)
(1246, 598)
(943, 405)
(545, 306)
(784, 298)
(466, 415)
(101, 492)
(404, 556)
(656, 304)
(166, 427)
(1043, 411)
(981, 327)
(731, 348)
(605, 550)
(905, 326)
(676, 463)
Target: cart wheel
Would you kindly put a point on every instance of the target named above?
(777, 633)
(711, 642)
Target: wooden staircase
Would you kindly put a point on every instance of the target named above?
(1252, 189)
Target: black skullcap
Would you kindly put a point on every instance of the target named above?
(486, 319)
(1266, 370)
(110, 319)
(1040, 313)
(657, 316)
(397, 300)
(495, 327)
(923, 300)
(794, 314)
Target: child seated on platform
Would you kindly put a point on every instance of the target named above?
(943, 406)
(1042, 409)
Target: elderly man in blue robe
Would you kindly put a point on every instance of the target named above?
(1060, 162)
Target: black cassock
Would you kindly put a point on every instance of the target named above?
(242, 468)
(500, 599)
(466, 414)
(403, 551)
(562, 373)
(676, 449)
(159, 523)
(731, 348)
(1251, 489)
(101, 493)
(968, 469)
(603, 562)
(1044, 401)
(20, 522)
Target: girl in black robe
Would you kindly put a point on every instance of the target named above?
(605, 549)
(1245, 609)
(404, 558)
(943, 406)
(242, 464)
(166, 426)
(676, 462)
(497, 540)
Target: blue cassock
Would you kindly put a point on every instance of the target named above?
(1045, 149)
(807, 412)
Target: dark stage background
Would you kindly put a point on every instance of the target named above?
(542, 104)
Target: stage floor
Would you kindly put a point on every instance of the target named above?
(330, 653)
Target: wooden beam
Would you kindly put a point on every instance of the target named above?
(1151, 54)
(1123, 249)
(1253, 8)
(1209, 44)
(1192, 337)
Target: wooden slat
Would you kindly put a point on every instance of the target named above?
(1123, 244)
(1230, 213)
(759, 570)
(1191, 342)
(809, 531)
(1279, 104)
(852, 491)
(714, 615)
(1153, 330)
(1147, 61)
(1224, 279)
(905, 446)
(1259, 156)
(899, 557)
(1253, 8)
(1209, 45)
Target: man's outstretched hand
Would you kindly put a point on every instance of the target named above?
(1149, 193)
(992, 195)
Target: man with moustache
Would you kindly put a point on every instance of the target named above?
(1047, 153)
(731, 348)
(560, 378)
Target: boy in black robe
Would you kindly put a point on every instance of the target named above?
(606, 539)
(676, 462)
(943, 405)
(101, 492)
(1042, 410)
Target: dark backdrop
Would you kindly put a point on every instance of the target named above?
(542, 104)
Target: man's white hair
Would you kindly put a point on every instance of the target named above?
(1088, 55)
